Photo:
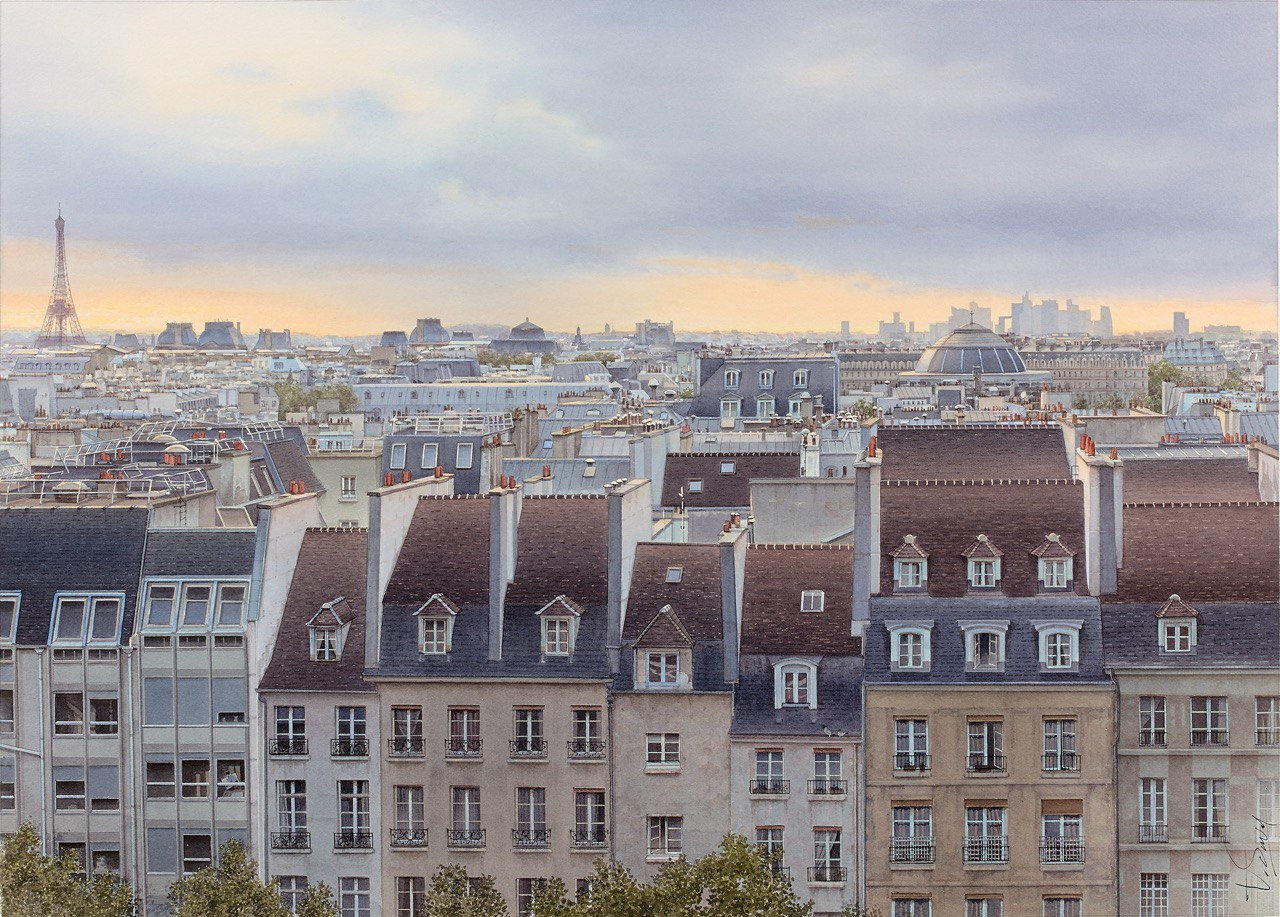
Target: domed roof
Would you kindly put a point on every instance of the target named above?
(527, 330)
(968, 349)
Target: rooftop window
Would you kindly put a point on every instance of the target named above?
(675, 574)
(328, 632)
(8, 615)
(812, 600)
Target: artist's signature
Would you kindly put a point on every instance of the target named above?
(1260, 870)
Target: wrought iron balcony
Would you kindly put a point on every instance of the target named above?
(528, 748)
(1209, 834)
(769, 787)
(353, 840)
(530, 838)
(463, 748)
(1152, 738)
(408, 837)
(1267, 737)
(287, 747)
(291, 840)
(828, 786)
(1153, 834)
(465, 838)
(407, 747)
(776, 867)
(1209, 737)
(911, 850)
(1062, 761)
(349, 748)
(592, 838)
(910, 761)
(828, 874)
(1061, 850)
(985, 763)
(586, 749)
(986, 849)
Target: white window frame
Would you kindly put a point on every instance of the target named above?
(766, 406)
(766, 378)
(897, 633)
(1177, 635)
(427, 625)
(326, 643)
(7, 637)
(800, 378)
(730, 407)
(216, 615)
(666, 836)
(695, 486)
(812, 600)
(1055, 572)
(664, 658)
(559, 643)
(728, 467)
(173, 600)
(979, 568)
(1068, 629)
(732, 379)
(399, 452)
(793, 668)
(662, 750)
(467, 449)
(347, 488)
(911, 573)
(1153, 894)
(972, 631)
(430, 456)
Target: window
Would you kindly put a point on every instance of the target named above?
(812, 600)
(104, 621)
(1060, 839)
(730, 408)
(466, 809)
(769, 840)
(1152, 826)
(588, 817)
(433, 634)
(662, 669)
(911, 650)
(1179, 635)
(1055, 572)
(527, 891)
(728, 467)
(910, 744)
(986, 745)
(731, 378)
(1208, 894)
(828, 772)
(1060, 746)
(406, 731)
(398, 451)
(197, 852)
(662, 749)
(195, 606)
(160, 604)
(410, 813)
(984, 835)
(1209, 810)
(68, 714)
(160, 780)
(106, 861)
(695, 487)
(465, 455)
(912, 907)
(1058, 642)
(984, 907)
(1153, 894)
(912, 835)
(195, 779)
(353, 895)
(1063, 907)
(766, 378)
(909, 574)
(826, 855)
(291, 804)
(665, 835)
(325, 644)
(231, 778)
(231, 598)
(586, 741)
(411, 896)
(1266, 720)
(1268, 805)
(555, 637)
(353, 806)
(291, 723)
(528, 732)
(1208, 721)
(765, 406)
(8, 617)
(430, 456)
(351, 739)
(292, 890)
(984, 648)
(675, 574)
(795, 686)
(768, 778)
(531, 817)
(800, 378)
(1151, 720)
(69, 794)
(984, 574)
(7, 722)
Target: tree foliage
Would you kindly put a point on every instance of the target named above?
(601, 356)
(40, 886)
(455, 894)
(295, 399)
(1234, 380)
(863, 409)
(232, 889)
(1112, 403)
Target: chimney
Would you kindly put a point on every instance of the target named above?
(1103, 480)
(733, 565)
(866, 538)
(630, 522)
(810, 454)
(504, 524)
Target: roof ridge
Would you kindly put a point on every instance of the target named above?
(338, 529)
(950, 482)
(799, 546)
(483, 496)
(735, 454)
(1201, 504)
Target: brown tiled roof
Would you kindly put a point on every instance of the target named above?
(909, 548)
(948, 517)
(1176, 608)
(664, 629)
(695, 599)
(292, 464)
(446, 550)
(331, 563)
(1202, 552)
(1188, 480)
(562, 549)
(983, 548)
(772, 621)
(727, 490)
(969, 454)
(1052, 547)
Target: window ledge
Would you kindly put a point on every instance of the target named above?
(662, 857)
(914, 773)
(986, 867)
(348, 499)
(662, 769)
(1062, 867)
(986, 775)
(909, 867)
(1060, 775)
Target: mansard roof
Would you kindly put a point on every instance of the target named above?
(1228, 635)
(723, 490)
(776, 576)
(962, 453)
(445, 551)
(696, 598)
(562, 549)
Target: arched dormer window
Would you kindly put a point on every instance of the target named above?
(800, 378)
(795, 684)
(984, 645)
(1059, 645)
(732, 378)
(435, 625)
(766, 378)
(910, 645)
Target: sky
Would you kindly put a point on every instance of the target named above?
(344, 168)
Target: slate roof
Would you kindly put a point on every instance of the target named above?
(1189, 480)
(947, 519)
(50, 549)
(723, 490)
(708, 668)
(1261, 423)
(200, 552)
(972, 453)
(332, 563)
(772, 621)
(1204, 553)
(569, 476)
(446, 550)
(696, 599)
(562, 548)
(291, 464)
(839, 707)
(1022, 649)
(1227, 634)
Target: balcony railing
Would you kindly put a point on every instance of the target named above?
(1151, 738)
(1153, 834)
(769, 787)
(1062, 761)
(782, 872)
(1209, 737)
(586, 749)
(530, 838)
(287, 747)
(463, 748)
(1061, 850)
(589, 838)
(828, 786)
(353, 840)
(1267, 737)
(828, 873)
(465, 838)
(1209, 834)
(528, 748)
(986, 849)
(407, 747)
(985, 763)
(349, 748)
(291, 840)
(408, 837)
(910, 761)
(911, 850)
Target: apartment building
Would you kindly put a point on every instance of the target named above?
(1092, 372)
(734, 386)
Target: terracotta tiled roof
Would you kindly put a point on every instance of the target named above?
(1176, 608)
(908, 549)
(664, 629)
(723, 490)
(437, 606)
(562, 549)
(982, 548)
(772, 621)
(446, 550)
(1052, 547)
(695, 598)
(964, 454)
(1188, 480)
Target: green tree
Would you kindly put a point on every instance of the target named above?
(39, 886)
(317, 902)
(455, 894)
(1112, 403)
(229, 889)
(295, 399)
(1079, 403)
(741, 879)
(857, 910)
(863, 409)
(1234, 380)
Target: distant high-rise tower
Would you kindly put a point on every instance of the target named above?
(61, 327)
(1181, 327)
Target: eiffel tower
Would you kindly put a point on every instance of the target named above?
(61, 327)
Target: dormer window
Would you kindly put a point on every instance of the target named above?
(435, 625)
(910, 566)
(800, 378)
(8, 616)
(324, 644)
(984, 645)
(1059, 644)
(1055, 573)
(559, 626)
(732, 378)
(910, 647)
(766, 378)
(812, 600)
(81, 619)
(555, 636)
(795, 684)
(765, 406)
(910, 651)
(1055, 564)
(1177, 626)
(662, 669)
(328, 632)
(675, 574)
(984, 564)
